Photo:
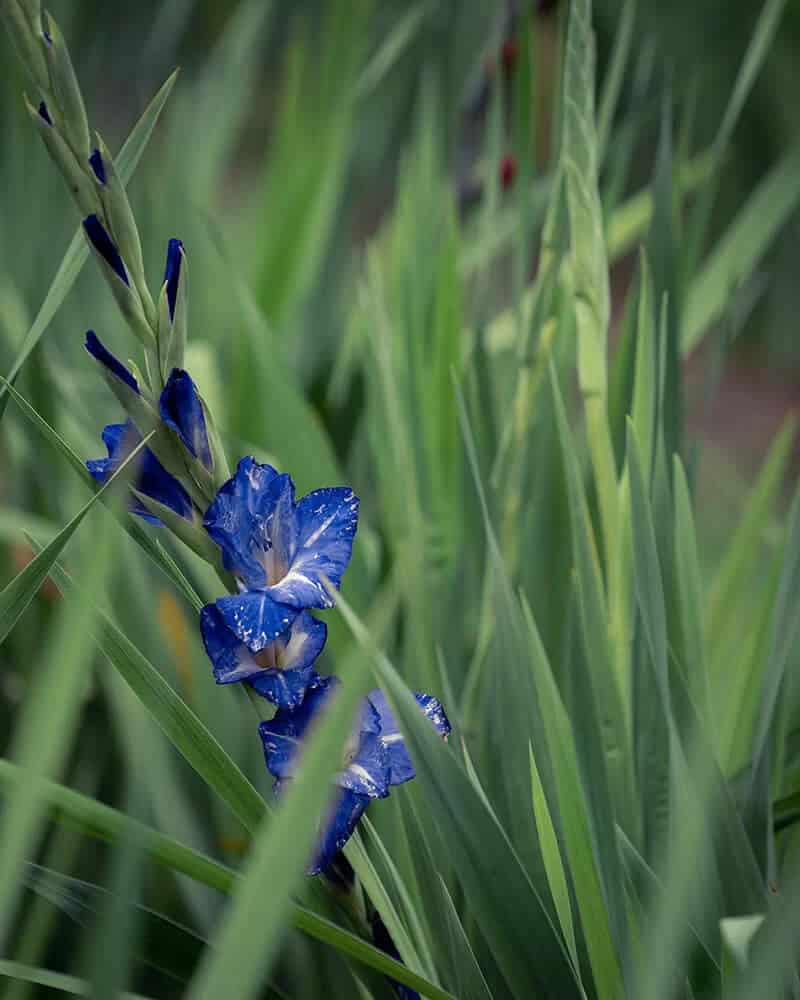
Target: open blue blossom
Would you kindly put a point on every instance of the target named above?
(181, 409)
(151, 478)
(281, 671)
(375, 758)
(280, 551)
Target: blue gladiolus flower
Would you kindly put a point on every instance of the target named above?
(281, 671)
(180, 408)
(375, 758)
(279, 550)
(151, 478)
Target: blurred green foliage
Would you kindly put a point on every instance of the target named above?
(378, 298)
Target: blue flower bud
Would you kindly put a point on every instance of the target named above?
(172, 273)
(97, 165)
(105, 246)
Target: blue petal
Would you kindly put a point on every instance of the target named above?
(97, 165)
(151, 478)
(433, 710)
(106, 358)
(294, 652)
(301, 645)
(400, 765)
(180, 408)
(172, 273)
(105, 246)
(369, 771)
(234, 520)
(326, 523)
(282, 735)
(347, 810)
(255, 618)
(44, 113)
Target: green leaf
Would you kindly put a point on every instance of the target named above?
(608, 688)
(44, 729)
(578, 160)
(391, 49)
(760, 41)
(18, 594)
(647, 575)
(690, 596)
(552, 859)
(785, 633)
(504, 902)
(742, 560)
(470, 982)
(78, 250)
(374, 886)
(99, 820)
(741, 248)
(54, 980)
(182, 727)
(623, 36)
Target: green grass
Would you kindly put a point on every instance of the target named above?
(615, 812)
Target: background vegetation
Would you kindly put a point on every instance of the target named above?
(415, 232)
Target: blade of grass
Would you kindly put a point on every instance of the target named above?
(44, 729)
(740, 249)
(96, 819)
(552, 858)
(55, 980)
(18, 594)
(181, 726)
(505, 903)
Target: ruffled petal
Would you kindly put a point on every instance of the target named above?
(255, 618)
(368, 772)
(283, 734)
(326, 524)
(295, 653)
(234, 520)
(400, 766)
(231, 660)
(301, 645)
(107, 359)
(180, 408)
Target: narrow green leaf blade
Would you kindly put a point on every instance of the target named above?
(99, 820)
(183, 728)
